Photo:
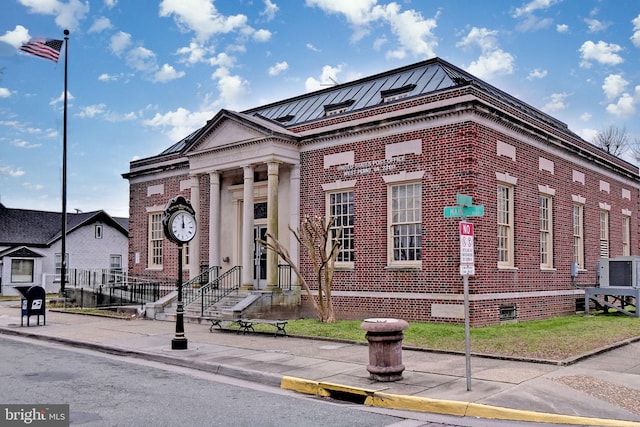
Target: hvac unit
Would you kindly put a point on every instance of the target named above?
(623, 271)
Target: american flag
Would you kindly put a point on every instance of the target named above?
(44, 48)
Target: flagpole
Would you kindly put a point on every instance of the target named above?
(63, 269)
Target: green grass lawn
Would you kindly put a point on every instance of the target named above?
(557, 338)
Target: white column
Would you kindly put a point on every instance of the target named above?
(194, 244)
(214, 219)
(294, 219)
(247, 229)
(272, 224)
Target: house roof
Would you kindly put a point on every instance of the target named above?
(41, 228)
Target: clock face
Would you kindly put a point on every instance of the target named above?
(183, 226)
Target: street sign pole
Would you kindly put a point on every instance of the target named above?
(467, 267)
(467, 337)
(463, 209)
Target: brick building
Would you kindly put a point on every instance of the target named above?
(385, 155)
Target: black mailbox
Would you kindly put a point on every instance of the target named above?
(33, 303)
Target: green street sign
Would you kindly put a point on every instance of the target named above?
(463, 200)
(460, 211)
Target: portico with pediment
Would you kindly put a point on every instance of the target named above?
(253, 171)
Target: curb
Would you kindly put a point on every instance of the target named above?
(439, 406)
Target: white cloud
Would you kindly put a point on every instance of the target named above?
(533, 23)
(105, 77)
(61, 98)
(595, 25)
(278, 68)
(357, 12)
(414, 33)
(230, 87)
(562, 28)
(91, 111)
(537, 74)
(8, 170)
(635, 38)
(68, 15)
(328, 77)
(24, 144)
(604, 53)
(193, 53)
(17, 37)
(32, 186)
(4, 92)
(493, 60)
(142, 59)
(312, 47)
(556, 103)
(100, 24)
(585, 117)
(110, 3)
(588, 134)
(180, 123)
(614, 85)
(262, 36)
(166, 73)
(625, 107)
(201, 17)
(119, 42)
(532, 6)
(270, 9)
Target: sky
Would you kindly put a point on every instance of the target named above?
(144, 74)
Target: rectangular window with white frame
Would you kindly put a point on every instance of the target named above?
(22, 270)
(578, 235)
(626, 235)
(340, 209)
(156, 235)
(58, 261)
(604, 234)
(505, 226)
(115, 268)
(546, 231)
(405, 224)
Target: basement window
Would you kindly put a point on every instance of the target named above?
(340, 107)
(508, 312)
(397, 93)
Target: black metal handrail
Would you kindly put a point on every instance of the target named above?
(191, 289)
(223, 285)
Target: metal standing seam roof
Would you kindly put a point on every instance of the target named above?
(422, 78)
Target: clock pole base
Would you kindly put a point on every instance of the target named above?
(179, 344)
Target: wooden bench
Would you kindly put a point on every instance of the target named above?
(246, 325)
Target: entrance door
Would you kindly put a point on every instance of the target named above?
(259, 257)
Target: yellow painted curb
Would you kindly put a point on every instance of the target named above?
(499, 413)
(299, 384)
(440, 406)
(422, 404)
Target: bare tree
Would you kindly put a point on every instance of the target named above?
(614, 140)
(315, 236)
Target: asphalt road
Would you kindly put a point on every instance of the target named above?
(106, 390)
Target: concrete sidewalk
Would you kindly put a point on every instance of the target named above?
(603, 389)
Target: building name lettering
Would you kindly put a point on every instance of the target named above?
(372, 166)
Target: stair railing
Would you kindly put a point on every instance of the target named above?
(223, 285)
(191, 288)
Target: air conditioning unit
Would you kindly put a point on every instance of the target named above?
(622, 271)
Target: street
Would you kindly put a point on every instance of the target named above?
(105, 390)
